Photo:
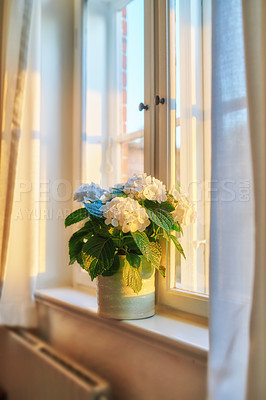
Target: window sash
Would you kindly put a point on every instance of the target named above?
(158, 121)
(168, 294)
(81, 8)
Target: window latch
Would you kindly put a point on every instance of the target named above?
(158, 100)
(143, 107)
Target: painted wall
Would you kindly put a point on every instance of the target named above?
(137, 367)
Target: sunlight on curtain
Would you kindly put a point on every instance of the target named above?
(20, 151)
(232, 215)
(10, 50)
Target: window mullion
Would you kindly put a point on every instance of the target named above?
(162, 146)
(206, 39)
(149, 79)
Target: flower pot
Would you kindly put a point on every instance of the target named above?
(118, 301)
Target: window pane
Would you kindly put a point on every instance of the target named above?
(113, 134)
(186, 75)
(175, 86)
(132, 31)
(134, 17)
(133, 161)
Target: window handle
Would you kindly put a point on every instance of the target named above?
(143, 107)
(158, 100)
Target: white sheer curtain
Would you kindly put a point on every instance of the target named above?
(15, 30)
(237, 216)
(20, 153)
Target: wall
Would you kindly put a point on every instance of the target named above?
(138, 367)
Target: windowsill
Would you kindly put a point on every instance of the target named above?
(166, 328)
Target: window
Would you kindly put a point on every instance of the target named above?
(130, 52)
(188, 38)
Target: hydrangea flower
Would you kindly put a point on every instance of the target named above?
(91, 192)
(145, 187)
(125, 213)
(110, 194)
(184, 211)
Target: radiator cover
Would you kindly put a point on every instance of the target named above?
(38, 372)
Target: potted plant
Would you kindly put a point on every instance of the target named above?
(119, 241)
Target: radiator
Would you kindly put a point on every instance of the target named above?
(38, 372)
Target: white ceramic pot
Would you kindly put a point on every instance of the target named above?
(118, 301)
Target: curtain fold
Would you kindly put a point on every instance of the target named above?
(19, 173)
(237, 362)
(232, 208)
(2, 57)
(254, 19)
(17, 25)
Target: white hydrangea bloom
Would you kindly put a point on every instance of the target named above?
(88, 192)
(145, 187)
(126, 214)
(184, 211)
(109, 194)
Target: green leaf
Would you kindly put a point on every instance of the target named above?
(118, 192)
(93, 208)
(76, 243)
(159, 215)
(98, 255)
(178, 245)
(161, 269)
(166, 205)
(133, 259)
(156, 253)
(147, 269)
(114, 267)
(102, 230)
(166, 235)
(132, 277)
(131, 244)
(76, 216)
(92, 265)
(99, 228)
(113, 231)
(80, 260)
(177, 227)
(150, 230)
(143, 243)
